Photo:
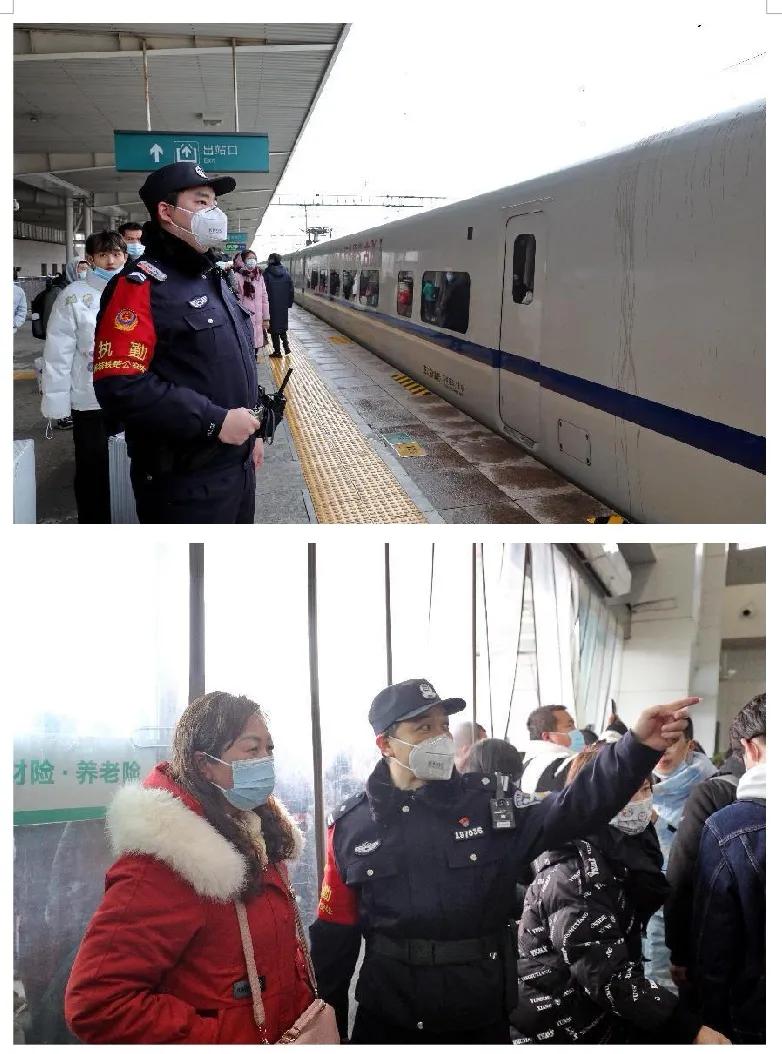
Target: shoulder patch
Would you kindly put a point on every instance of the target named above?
(151, 270)
(137, 277)
(345, 807)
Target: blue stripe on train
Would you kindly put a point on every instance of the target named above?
(732, 444)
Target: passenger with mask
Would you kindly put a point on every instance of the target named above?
(162, 959)
(67, 375)
(729, 924)
(677, 773)
(423, 863)
(279, 286)
(581, 971)
(132, 232)
(175, 360)
(554, 742)
(253, 297)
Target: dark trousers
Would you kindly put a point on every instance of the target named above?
(91, 431)
(372, 1029)
(221, 495)
(283, 333)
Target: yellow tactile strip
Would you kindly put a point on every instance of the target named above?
(347, 481)
(412, 386)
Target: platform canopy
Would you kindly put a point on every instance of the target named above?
(75, 84)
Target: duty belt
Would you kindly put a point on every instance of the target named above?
(418, 952)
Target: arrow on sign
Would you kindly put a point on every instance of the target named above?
(157, 152)
(186, 151)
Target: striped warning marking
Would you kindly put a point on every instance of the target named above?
(348, 482)
(409, 384)
(338, 338)
(24, 375)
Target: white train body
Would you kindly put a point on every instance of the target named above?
(636, 365)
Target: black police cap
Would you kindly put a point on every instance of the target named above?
(182, 175)
(407, 699)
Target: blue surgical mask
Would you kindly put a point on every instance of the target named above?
(576, 740)
(135, 249)
(253, 782)
(105, 273)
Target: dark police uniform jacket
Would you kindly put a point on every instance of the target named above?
(427, 865)
(174, 352)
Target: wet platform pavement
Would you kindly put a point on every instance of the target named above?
(368, 411)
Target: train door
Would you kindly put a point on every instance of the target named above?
(522, 316)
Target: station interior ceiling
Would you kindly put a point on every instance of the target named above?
(75, 84)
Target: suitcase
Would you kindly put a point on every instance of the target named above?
(24, 481)
(123, 503)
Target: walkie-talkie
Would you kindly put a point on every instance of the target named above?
(271, 409)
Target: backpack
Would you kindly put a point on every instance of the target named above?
(42, 304)
(37, 314)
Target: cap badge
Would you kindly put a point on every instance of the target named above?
(201, 172)
(427, 691)
(366, 847)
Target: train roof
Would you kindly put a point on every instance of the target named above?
(500, 194)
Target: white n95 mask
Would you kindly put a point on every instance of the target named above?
(431, 760)
(209, 226)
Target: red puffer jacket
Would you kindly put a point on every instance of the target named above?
(162, 961)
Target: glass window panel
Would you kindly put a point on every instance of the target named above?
(433, 641)
(524, 268)
(349, 285)
(352, 661)
(103, 683)
(504, 677)
(404, 293)
(445, 299)
(369, 288)
(257, 644)
(554, 678)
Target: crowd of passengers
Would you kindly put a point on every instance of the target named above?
(594, 887)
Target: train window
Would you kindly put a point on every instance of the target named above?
(313, 279)
(322, 281)
(524, 268)
(369, 288)
(445, 299)
(348, 285)
(404, 294)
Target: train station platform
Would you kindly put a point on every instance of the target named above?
(361, 443)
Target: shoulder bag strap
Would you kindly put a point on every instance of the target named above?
(283, 873)
(252, 970)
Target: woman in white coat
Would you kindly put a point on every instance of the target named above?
(67, 374)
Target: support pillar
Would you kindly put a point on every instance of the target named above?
(69, 255)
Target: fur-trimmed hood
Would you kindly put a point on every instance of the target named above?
(161, 819)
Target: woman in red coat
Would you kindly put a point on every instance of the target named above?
(162, 960)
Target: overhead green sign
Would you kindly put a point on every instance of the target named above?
(237, 242)
(213, 151)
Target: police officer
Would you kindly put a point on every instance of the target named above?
(423, 864)
(174, 360)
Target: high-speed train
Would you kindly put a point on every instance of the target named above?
(608, 318)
